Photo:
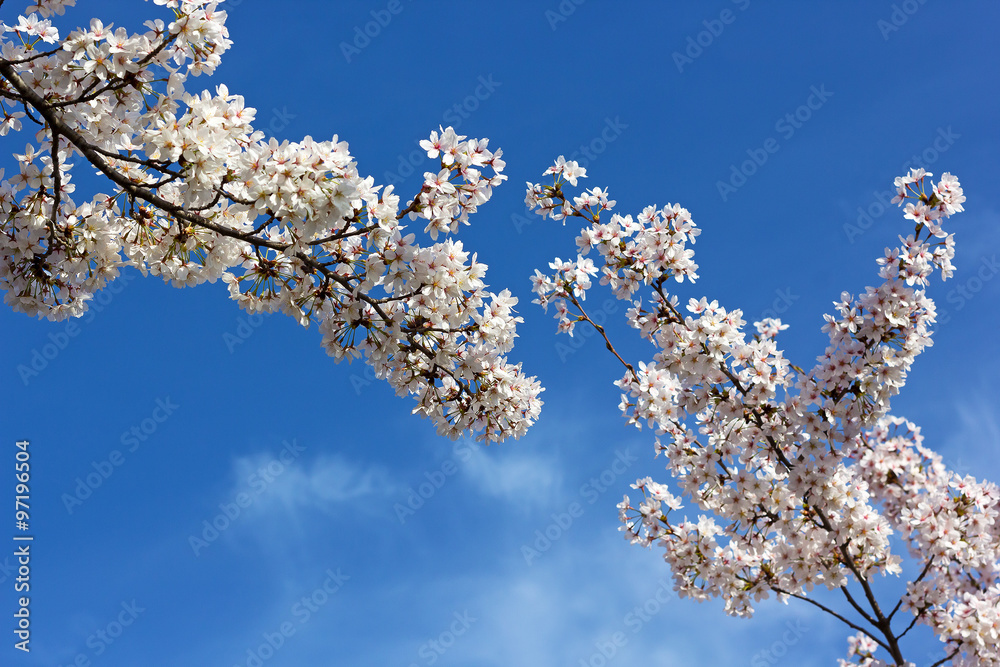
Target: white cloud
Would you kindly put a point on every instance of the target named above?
(566, 609)
(521, 478)
(323, 483)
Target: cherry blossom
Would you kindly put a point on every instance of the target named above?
(798, 477)
(785, 479)
(197, 194)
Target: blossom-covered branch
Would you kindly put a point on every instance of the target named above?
(800, 476)
(197, 194)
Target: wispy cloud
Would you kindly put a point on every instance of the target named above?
(552, 613)
(324, 483)
(523, 479)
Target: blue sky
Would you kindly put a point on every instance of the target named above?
(210, 412)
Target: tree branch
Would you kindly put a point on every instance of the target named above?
(92, 155)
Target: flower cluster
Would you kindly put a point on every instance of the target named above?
(947, 520)
(199, 194)
(444, 203)
(798, 483)
(861, 652)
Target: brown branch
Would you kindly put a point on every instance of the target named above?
(88, 151)
(945, 659)
(832, 613)
(343, 235)
(42, 54)
(600, 330)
